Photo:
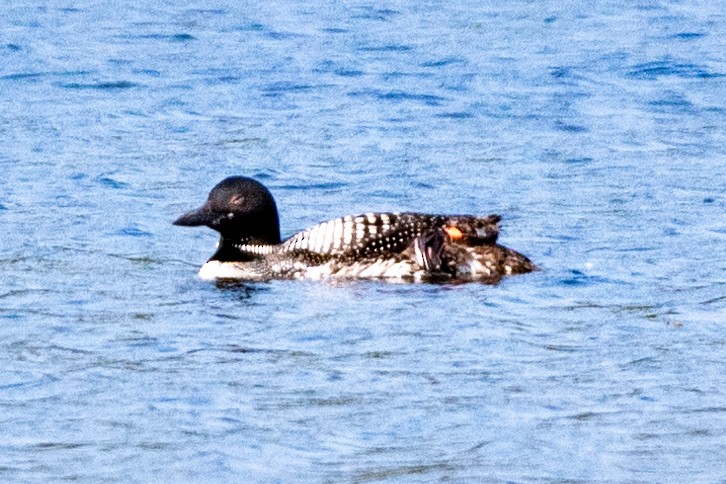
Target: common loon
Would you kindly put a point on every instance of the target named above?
(405, 246)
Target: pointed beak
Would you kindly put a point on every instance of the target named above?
(195, 218)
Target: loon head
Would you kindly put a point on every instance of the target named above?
(240, 209)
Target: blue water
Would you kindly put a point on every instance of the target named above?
(598, 131)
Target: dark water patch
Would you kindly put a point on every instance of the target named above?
(707, 410)
(334, 30)
(99, 86)
(142, 342)
(586, 416)
(579, 278)
(13, 47)
(423, 185)
(714, 300)
(244, 141)
(456, 115)
(277, 88)
(147, 72)
(549, 20)
(403, 471)
(348, 73)
(251, 27)
(275, 35)
(386, 48)
(133, 231)
(669, 67)
(397, 96)
(396, 75)
(286, 87)
(120, 62)
(330, 401)
(67, 350)
(109, 182)
(157, 446)
(268, 174)
(278, 353)
(335, 68)
(565, 73)
(168, 37)
(670, 232)
(570, 128)
(372, 13)
(559, 72)
(57, 446)
(216, 81)
(688, 35)
(33, 383)
(22, 76)
(577, 161)
(640, 248)
(139, 259)
(642, 363)
(211, 11)
(444, 62)
(673, 103)
(460, 84)
(562, 348)
(240, 291)
(12, 315)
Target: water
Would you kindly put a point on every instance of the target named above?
(598, 132)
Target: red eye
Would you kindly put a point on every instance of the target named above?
(237, 200)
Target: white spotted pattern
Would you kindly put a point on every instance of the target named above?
(328, 240)
(337, 234)
(257, 249)
(319, 239)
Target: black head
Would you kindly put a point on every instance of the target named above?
(239, 208)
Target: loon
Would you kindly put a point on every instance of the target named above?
(406, 246)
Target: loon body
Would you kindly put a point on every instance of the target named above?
(403, 246)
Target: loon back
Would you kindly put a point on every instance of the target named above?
(373, 235)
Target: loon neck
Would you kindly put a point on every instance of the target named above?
(228, 250)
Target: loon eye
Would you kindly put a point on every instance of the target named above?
(237, 200)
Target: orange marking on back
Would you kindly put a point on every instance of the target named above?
(453, 232)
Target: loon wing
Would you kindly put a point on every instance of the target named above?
(427, 250)
(357, 235)
(376, 234)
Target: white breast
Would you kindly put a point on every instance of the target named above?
(215, 269)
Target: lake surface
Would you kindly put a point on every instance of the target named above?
(597, 131)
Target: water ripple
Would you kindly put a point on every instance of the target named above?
(100, 85)
(386, 48)
(429, 99)
(603, 149)
(670, 67)
(183, 37)
(110, 182)
(445, 62)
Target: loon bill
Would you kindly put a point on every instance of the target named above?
(405, 246)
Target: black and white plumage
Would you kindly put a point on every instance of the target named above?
(405, 246)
